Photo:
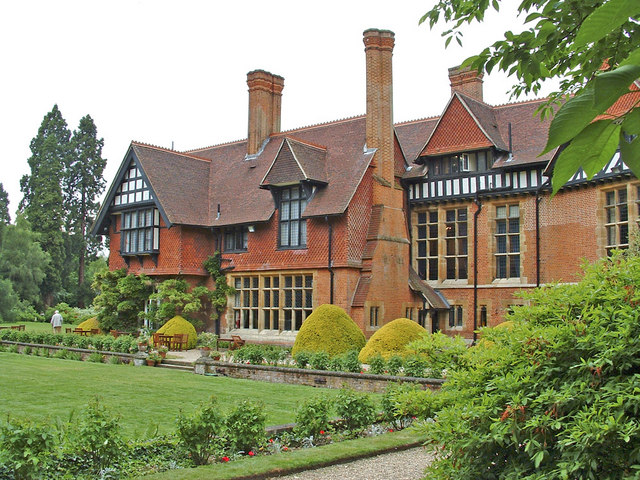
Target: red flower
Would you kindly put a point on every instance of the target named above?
(321, 432)
(251, 454)
(390, 430)
(271, 440)
(225, 459)
(285, 448)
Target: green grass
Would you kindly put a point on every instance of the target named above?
(297, 460)
(41, 388)
(38, 326)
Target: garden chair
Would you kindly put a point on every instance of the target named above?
(237, 342)
(179, 341)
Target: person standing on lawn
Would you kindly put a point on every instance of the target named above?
(56, 321)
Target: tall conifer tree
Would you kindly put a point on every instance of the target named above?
(43, 201)
(5, 218)
(83, 183)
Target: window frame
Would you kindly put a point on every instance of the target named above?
(617, 224)
(239, 235)
(292, 201)
(150, 231)
(284, 301)
(433, 252)
(510, 257)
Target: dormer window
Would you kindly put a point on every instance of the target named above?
(293, 229)
(459, 163)
(236, 239)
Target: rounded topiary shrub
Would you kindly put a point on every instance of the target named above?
(181, 326)
(328, 329)
(391, 339)
(89, 324)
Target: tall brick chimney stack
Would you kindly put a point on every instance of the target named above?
(265, 100)
(379, 51)
(466, 81)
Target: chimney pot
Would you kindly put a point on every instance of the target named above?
(466, 81)
(265, 100)
(379, 135)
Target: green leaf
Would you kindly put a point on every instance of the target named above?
(630, 153)
(571, 119)
(591, 149)
(604, 19)
(631, 123)
(594, 100)
(632, 59)
(610, 86)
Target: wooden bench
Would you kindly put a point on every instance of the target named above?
(234, 342)
(17, 327)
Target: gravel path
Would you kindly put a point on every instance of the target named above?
(405, 465)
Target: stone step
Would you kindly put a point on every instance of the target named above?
(184, 366)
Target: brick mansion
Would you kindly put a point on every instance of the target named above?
(440, 220)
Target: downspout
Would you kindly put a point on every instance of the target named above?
(476, 214)
(330, 260)
(538, 199)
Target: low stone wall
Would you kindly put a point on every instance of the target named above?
(315, 378)
(52, 349)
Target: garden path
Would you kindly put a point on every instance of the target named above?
(405, 465)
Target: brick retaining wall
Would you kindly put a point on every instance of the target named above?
(315, 378)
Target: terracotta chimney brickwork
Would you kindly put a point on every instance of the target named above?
(265, 100)
(384, 278)
(466, 81)
(379, 51)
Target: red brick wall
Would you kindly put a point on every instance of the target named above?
(182, 251)
(570, 232)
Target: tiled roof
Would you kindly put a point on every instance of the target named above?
(413, 135)
(179, 181)
(234, 180)
(433, 297)
(470, 125)
(297, 161)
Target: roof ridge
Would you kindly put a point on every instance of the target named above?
(321, 124)
(521, 102)
(417, 120)
(310, 144)
(175, 152)
(216, 145)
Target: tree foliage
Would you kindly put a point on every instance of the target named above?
(5, 218)
(42, 202)
(174, 297)
(570, 40)
(83, 183)
(22, 261)
(121, 299)
(556, 396)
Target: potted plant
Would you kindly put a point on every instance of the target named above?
(153, 359)
(206, 342)
(162, 351)
(143, 341)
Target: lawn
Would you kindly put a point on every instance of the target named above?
(144, 397)
(38, 326)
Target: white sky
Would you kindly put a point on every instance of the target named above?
(163, 71)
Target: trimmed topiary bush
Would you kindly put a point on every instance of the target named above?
(329, 329)
(179, 325)
(391, 339)
(89, 324)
